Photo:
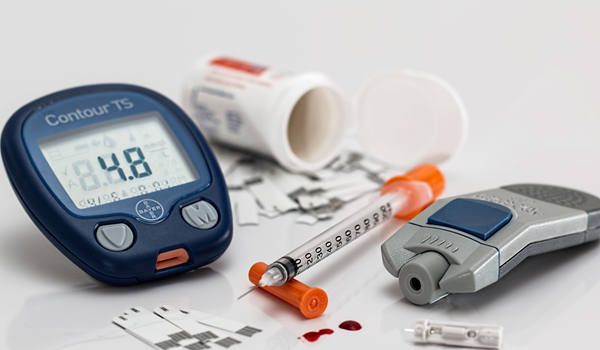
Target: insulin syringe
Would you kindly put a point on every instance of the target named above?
(402, 196)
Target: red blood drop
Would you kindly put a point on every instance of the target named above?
(350, 325)
(314, 336)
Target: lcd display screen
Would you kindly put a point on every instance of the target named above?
(117, 159)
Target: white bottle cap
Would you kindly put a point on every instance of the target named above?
(405, 118)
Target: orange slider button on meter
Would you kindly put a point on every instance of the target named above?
(312, 302)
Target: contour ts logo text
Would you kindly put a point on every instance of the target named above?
(79, 114)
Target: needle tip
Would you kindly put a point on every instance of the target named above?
(248, 292)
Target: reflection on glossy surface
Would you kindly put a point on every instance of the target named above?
(83, 314)
(283, 339)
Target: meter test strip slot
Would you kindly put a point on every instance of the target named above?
(70, 157)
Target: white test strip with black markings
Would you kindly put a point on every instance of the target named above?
(350, 193)
(197, 330)
(271, 198)
(218, 322)
(179, 339)
(310, 202)
(156, 332)
(286, 182)
(336, 182)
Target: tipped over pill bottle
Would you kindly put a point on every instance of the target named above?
(298, 119)
(402, 118)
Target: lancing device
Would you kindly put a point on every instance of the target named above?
(402, 197)
(465, 243)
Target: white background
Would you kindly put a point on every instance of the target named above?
(527, 71)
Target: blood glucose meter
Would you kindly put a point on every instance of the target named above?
(120, 180)
(465, 243)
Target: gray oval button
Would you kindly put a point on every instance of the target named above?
(201, 215)
(115, 237)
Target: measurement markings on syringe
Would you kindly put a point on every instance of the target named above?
(351, 233)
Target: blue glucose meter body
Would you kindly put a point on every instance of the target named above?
(120, 180)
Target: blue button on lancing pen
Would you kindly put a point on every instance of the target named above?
(477, 217)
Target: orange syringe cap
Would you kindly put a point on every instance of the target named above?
(427, 173)
(311, 302)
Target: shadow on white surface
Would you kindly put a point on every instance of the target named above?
(27, 251)
(83, 314)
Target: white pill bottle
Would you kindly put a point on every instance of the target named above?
(300, 120)
(402, 118)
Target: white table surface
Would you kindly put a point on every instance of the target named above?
(527, 71)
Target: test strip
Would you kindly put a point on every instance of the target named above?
(156, 332)
(218, 322)
(195, 329)
(323, 174)
(339, 181)
(246, 209)
(241, 174)
(322, 213)
(276, 191)
(307, 219)
(345, 161)
(270, 198)
(371, 166)
(286, 182)
(350, 193)
(179, 339)
(308, 202)
(268, 213)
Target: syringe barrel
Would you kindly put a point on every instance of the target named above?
(341, 234)
(402, 196)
